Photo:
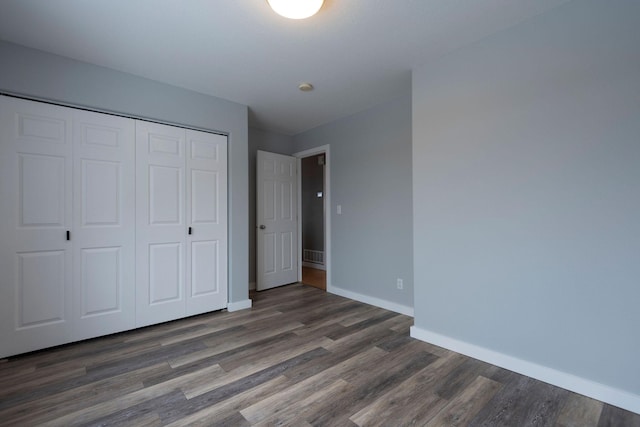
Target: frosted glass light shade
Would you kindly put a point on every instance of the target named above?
(296, 9)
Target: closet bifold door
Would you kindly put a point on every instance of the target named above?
(160, 223)
(206, 214)
(103, 235)
(35, 215)
(181, 222)
(106, 224)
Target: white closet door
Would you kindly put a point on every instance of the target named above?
(160, 223)
(207, 221)
(35, 212)
(104, 223)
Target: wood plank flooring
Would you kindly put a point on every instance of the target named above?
(299, 357)
(314, 277)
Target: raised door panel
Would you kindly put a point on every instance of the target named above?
(40, 289)
(166, 195)
(101, 193)
(160, 223)
(287, 209)
(103, 235)
(268, 204)
(101, 281)
(35, 213)
(205, 206)
(206, 197)
(287, 219)
(166, 281)
(270, 247)
(287, 262)
(41, 190)
(205, 267)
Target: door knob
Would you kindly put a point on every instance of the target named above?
(262, 227)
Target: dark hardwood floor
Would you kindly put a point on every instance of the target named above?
(299, 357)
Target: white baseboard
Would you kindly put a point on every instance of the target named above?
(252, 286)
(313, 265)
(387, 305)
(604, 393)
(240, 305)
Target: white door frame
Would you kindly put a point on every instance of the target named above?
(323, 149)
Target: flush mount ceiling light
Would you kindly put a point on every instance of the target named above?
(296, 9)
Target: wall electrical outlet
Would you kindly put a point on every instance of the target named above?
(399, 284)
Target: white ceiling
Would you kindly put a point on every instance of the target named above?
(357, 53)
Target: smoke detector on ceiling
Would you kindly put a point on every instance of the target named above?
(305, 87)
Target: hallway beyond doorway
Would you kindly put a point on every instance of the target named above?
(314, 277)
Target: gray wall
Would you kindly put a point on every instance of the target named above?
(370, 165)
(312, 175)
(526, 192)
(265, 141)
(49, 77)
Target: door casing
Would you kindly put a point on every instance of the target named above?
(323, 149)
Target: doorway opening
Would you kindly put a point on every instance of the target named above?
(313, 222)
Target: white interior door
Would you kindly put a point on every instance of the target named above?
(276, 220)
(206, 245)
(160, 223)
(103, 234)
(35, 208)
